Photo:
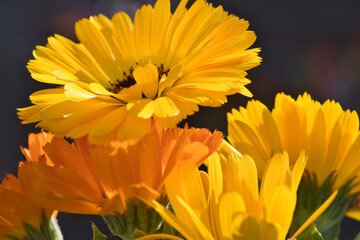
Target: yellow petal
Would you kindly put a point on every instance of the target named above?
(298, 169)
(143, 108)
(244, 139)
(148, 78)
(203, 228)
(142, 23)
(91, 32)
(159, 236)
(159, 23)
(131, 93)
(48, 95)
(245, 181)
(186, 183)
(315, 147)
(249, 228)
(215, 175)
(351, 165)
(127, 130)
(332, 111)
(279, 208)
(64, 76)
(109, 122)
(244, 91)
(99, 89)
(45, 78)
(76, 93)
(166, 82)
(277, 173)
(231, 203)
(290, 124)
(124, 38)
(342, 137)
(206, 185)
(165, 107)
(354, 214)
(169, 122)
(174, 221)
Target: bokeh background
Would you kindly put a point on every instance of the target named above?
(311, 46)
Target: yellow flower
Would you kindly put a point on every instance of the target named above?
(123, 73)
(16, 210)
(226, 203)
(89, 179)
(329, 136)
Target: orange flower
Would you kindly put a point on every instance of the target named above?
(16, 209)
(89, 179)
(36, 142)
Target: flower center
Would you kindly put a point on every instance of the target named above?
(162, 71)
(128, 80)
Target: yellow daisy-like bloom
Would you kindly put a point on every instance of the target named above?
(329, 136)
(90, 179)
(16, 209)
(226, 203)
(123, 73)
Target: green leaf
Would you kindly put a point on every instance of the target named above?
(142, 217)
(45, 226)
(154, 220)
(116, 224)
(311, 234)
(32, 233)
(11, 237)
(130, 216)
(97, 234)
(311, 196)
(167, 229)
(332, 233)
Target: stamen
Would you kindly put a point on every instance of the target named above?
(129, 80)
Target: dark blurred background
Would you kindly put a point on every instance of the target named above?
(311, 46)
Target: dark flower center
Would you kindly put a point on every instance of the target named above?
(128, 80)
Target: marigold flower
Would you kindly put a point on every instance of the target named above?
(161, 66)
(17, 212)
(226, 202)
(90, 179)
(329, 135)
